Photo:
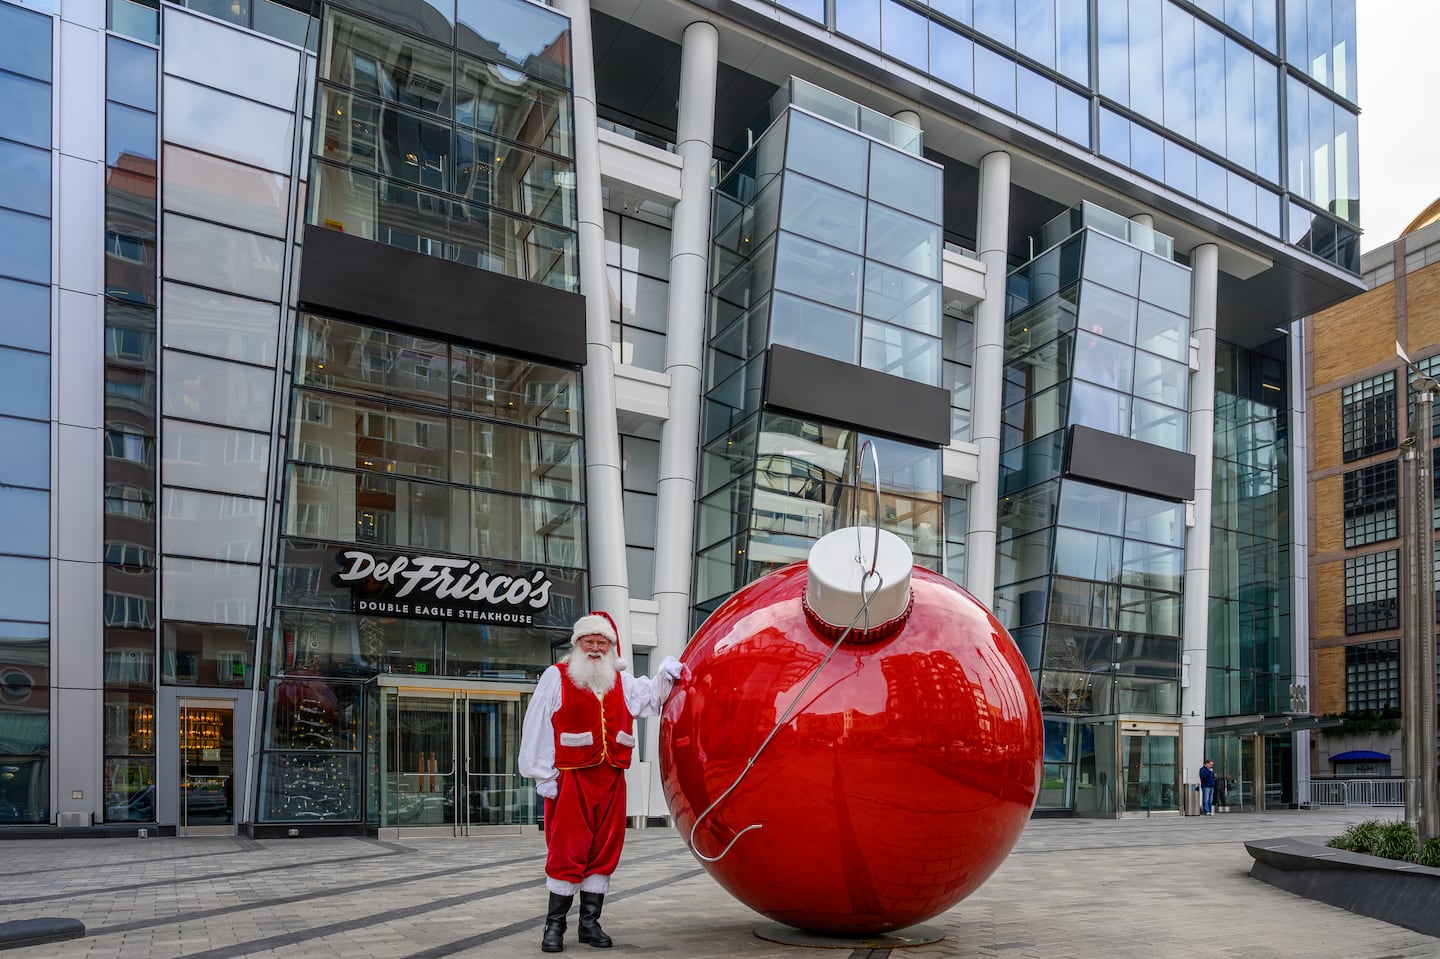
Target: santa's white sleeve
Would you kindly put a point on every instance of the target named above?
(537, 736)
(646, 696)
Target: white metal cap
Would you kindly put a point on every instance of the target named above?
(837, 584)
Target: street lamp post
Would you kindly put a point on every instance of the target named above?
(1418, 687)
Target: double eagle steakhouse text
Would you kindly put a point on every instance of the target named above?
(440, 578)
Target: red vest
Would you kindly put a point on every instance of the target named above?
(589, 730)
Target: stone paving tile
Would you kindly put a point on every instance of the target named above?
(1133, 889)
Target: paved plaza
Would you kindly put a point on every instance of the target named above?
(1141, 888)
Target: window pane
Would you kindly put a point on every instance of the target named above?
(1111, 262)
(823, 213)
(952, 57)
(995, 78)
(205, 654)
(25, 588)
(25, 109)
(902, 181)
(27, 453)
(213, 458)
(24, 43)
(903, 241)
(211, 525)
(502, 102)
(828, 153)
(27, 384)
(214, 55)
(206, 592)
(217, 391)
(818, 272)
(26, 530)
(25, 320)
(24, 245)
(902, 298)
(902, 353)
(220, 325)
(216, 123)
(217, 256)
(215, 189)
(521, 34)
(815, 328)
(26, 183)
(130, 73)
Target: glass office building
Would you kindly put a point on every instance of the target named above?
(364, 345)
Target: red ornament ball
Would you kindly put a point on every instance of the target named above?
(895, 788)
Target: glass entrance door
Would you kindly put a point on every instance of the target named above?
(446, 763)
(207, 767)
(495, 794)
(1148, 771)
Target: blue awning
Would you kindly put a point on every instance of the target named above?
(1360, 756)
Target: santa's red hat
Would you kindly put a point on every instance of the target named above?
(596, 623)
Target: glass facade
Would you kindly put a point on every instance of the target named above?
(449, 133)
(1089, 578)
(25, 478)
(826, 239)
(445, 472)
(1251, 661)
(1201, 97)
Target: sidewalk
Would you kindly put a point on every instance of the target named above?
(1141, 888)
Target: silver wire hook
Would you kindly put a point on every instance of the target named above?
(784, 718)
(855, 477)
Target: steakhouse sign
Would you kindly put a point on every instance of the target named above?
(440, 587)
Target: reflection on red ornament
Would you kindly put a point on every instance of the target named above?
(899, 782)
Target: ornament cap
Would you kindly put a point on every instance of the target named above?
(839, 578)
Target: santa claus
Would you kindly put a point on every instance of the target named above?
(578, 737)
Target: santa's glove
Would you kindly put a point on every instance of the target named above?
(549, 789)
(671, 668)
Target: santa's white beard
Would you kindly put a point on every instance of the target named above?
(595, 673)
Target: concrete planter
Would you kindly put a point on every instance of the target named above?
(1386, 889)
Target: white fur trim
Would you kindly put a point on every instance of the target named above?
(562, 888)
(622, 666)
(624, 738)
(577, 739)
(593, 624)
(600, 884)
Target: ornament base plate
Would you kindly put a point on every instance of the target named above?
(920, 935)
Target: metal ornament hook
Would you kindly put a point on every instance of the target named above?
(855, 477)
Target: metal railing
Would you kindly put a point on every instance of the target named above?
(1354, 792)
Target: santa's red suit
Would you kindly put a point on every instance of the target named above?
(576, 745)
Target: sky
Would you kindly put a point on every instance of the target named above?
(1399, 122)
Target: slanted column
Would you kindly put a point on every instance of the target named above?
(685, 339)
(604, 504)
(992, 239)
(1204, 286)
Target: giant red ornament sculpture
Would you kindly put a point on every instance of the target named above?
(888, 786)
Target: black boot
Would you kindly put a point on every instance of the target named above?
(554, 938)
(590, 932)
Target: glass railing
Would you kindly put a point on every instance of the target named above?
(835, 108)
(632, 134)
(1086, 214)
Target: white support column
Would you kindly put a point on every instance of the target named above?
(604, 504)
(685, 339)
(1300, 546)
(1204, 286)
(992, 235)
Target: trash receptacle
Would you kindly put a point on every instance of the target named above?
(1192, 799)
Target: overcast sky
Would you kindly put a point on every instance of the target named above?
(1399, 130)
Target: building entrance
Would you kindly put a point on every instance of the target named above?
(207, 767)
(443, 761)
(1149, 771)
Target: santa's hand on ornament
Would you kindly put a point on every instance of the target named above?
(672, 668)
